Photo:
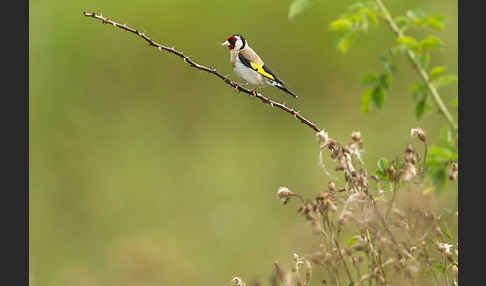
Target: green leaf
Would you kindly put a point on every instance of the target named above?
(297, 7)
(439, 156)
(342, 25)
(385, 81)
(445, 136)
(408, 42)
(402, 21)
(435, 22)
(439, 178)
(352, 240)
(420, 107)
(436, 71)
(382, 164)
(368, 79)
(366, 99)
(381, 176)
(445, 80)
(378, 96)
(369, 14)
(416, 14)
(431, 42)
(344, 42)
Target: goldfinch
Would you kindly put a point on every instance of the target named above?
(249, 66)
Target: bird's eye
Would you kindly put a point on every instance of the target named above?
(232, 40)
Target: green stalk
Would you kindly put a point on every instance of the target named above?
(425, 76)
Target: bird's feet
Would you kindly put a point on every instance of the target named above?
(253, 92)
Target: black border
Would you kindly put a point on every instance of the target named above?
(14, 119)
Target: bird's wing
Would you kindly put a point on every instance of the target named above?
(259, 68)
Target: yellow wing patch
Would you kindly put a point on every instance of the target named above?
(259, 69)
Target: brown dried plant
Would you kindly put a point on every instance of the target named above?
(399, 237)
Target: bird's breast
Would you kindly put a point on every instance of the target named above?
(246, 73)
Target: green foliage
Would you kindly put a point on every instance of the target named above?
(436, 71)
(356, 19)
(420, 95)
(419, 19)
(379, 84)
(445, 80)
(297, 7)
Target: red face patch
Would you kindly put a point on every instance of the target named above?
(232, 40)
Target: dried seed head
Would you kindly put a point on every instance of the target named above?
(322, 195)
(409, 149)
(420, 133)
(390, 171)
(453, 171)
(409, 172)
(445, 247)
(356, 136)
(284, 194)
(322, 137)
(237, 281)
(332, 186)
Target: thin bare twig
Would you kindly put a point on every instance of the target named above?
(206, 69)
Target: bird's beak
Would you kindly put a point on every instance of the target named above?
(226, 43)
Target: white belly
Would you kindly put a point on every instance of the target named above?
(249, 75)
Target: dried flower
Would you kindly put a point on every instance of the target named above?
(420, 133)
(445, 247)
(332, 186)
(284, 194)
(453, 171)
(409, 172)
(323, 137)
(238, 281)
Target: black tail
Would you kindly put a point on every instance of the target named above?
(282, 87)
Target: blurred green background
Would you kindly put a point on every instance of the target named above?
(144, 171)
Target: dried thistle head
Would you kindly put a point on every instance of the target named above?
(420, 133)
(322, 137)
(408, 172)
(453, 171)
(284, 194)
(237, 281)
(332, 186)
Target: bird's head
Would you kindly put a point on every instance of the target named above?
(235, 42)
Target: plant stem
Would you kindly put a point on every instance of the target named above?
(425, 76)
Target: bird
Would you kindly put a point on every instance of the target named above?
(250, 67)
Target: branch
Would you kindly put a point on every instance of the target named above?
(420, 69)
(211, 70)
